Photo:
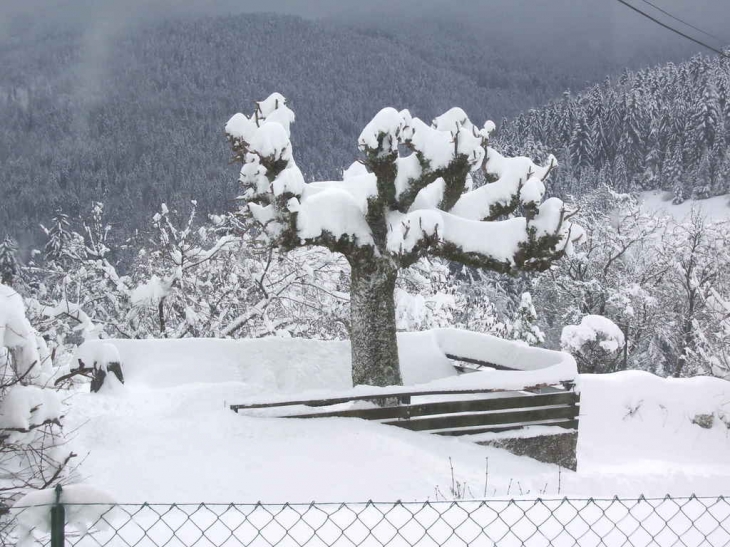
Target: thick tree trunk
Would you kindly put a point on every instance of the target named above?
(372, 324)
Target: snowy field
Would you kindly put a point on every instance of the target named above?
(715, 208)
(167, 435)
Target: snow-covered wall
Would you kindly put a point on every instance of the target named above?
(289, 365)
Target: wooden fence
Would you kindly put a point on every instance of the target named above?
(458, 412)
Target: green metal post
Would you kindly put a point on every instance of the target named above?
(58, 521)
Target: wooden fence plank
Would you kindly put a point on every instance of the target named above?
(485, 419)
(400, 395)
(565, 424)
(449, 407)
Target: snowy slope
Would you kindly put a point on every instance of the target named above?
(715, 208)
(176, 441)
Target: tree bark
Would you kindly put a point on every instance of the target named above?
(373, 334)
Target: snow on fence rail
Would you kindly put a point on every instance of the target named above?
(643, 522)
(455, 412)
(518, 388)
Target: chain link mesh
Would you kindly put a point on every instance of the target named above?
(668, 521)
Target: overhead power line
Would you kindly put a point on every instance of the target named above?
(660, 23)
(665, 12)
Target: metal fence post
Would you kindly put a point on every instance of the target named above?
(58, 521)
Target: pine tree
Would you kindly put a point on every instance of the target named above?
(678, 193)
(581, 145)
(601, 146)
(672, 172)
(9, 264)
(650, 179)
(708, 120)
(722, 184)
(703, 181)
(524, 326)
(633, 144)
(59, 237)
(620, 175)
(566, 119)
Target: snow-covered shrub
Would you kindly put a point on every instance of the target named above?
(31, 451)
(99, 358)
(596, 343)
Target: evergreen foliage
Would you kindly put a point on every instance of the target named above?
(660, 128)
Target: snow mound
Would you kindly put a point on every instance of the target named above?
(714, 208)
(273, 364)
(636, 420)
(84, 507)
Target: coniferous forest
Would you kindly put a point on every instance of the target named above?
(133, 118)
(666, 127)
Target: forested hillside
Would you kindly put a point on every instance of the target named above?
(135, 119)
(666, 128)
(132, 115)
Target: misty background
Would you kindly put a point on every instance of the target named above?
(124, 101)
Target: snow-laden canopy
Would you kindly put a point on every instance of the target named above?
(410, 194)
(17, 335)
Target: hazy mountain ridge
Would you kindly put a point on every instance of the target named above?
(134, 116)
(146, 125)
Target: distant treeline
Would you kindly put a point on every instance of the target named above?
(662, 128)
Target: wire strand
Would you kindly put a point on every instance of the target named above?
(665, 12)
(660, 23)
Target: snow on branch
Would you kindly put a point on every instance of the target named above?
(409, 195)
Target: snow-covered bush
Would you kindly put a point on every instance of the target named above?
(615, 274)
(596, 343)
(31, 451)
(98, 359)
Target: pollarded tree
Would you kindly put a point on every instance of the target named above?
(409, 196)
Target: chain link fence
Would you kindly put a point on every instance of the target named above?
(668, 521)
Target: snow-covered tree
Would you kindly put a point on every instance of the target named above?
(524, 326)
(708, 120)
(409, 196)
(9, 264)
(581, 144)
(689, 338)
(58, 237)
(615, 274)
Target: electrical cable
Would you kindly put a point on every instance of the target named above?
(666, 26)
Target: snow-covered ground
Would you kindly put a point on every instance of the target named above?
(168, 435)
(715, 208)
